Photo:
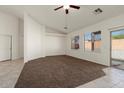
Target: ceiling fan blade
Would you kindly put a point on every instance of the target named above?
(66, 11)
(58, 8)
(75, 7)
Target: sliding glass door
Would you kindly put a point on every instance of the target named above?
(117, 48)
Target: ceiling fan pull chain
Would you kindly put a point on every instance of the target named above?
(66, 23)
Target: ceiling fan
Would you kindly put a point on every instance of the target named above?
(66, 8)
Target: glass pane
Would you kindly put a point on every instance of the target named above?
(87, 38)
(75, 42)
(97, 41)
(118, 44)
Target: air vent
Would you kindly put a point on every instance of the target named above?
(97, 11)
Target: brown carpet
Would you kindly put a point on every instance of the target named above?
(58, 72)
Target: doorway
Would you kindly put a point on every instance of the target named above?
(117, 49)
(5, 47)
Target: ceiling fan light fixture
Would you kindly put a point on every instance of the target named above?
(66, 7)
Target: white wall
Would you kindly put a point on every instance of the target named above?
(21, 38)
(9, 26)
(105, 26)
(34, 40)
(55, 44)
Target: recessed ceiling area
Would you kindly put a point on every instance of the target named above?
(76, 19)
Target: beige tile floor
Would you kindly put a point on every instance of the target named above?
(114, 78)
(10, 71)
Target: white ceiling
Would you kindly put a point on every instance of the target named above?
(76, 19)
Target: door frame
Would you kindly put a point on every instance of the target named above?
(10, 36)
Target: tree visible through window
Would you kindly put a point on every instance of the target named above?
(75, 42)
(93, 41)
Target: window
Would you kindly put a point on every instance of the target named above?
(87, 37)
(75, 42)
(93, 41)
